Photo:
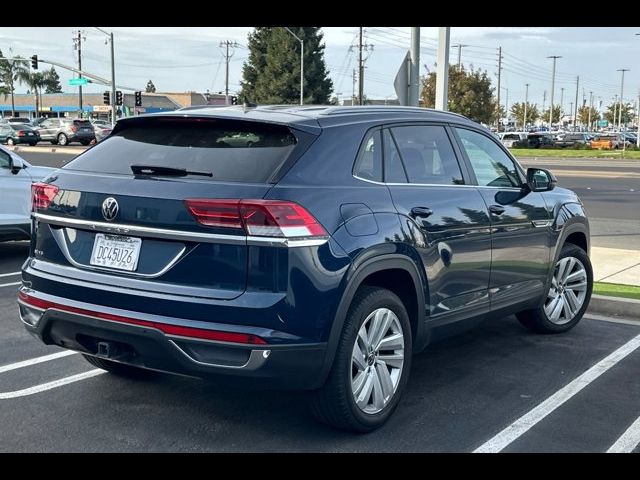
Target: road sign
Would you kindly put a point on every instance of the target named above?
(102, 108)
(401, 82)
(603, 123)
(78, 81)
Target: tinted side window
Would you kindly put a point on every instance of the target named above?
(369, 162)
(427, 155)
(5, 160)
(393, 169)
(491, 165)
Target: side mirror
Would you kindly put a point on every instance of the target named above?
(540, 180)
(16, 165)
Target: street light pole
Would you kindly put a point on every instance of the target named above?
(621, 91)
(113, 75)
(526, 101)
(301, 65)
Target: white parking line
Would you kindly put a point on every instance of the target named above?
(48, 386)
(12, 274)
(524, 423)
(36, 360)
(9, 284)
(628, 440)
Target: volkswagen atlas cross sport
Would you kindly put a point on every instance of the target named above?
(315, 248)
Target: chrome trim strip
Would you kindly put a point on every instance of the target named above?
(257, 358)
(67, 254)
(542, 223)
(408, 184)
(168, 234)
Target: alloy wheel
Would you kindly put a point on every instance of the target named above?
(568, 291)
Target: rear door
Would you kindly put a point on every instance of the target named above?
(444, 216)
(158, 226)
(520, 220)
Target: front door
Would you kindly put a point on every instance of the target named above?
(15, 207)
(443, 217)
(520, 221)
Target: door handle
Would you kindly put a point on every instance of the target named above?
(423, 212)
(496, 209)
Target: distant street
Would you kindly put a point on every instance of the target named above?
(610, 190)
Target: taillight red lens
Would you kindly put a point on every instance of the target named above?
(262, 218)
(21, 133)
(41, 195)
(74, 129)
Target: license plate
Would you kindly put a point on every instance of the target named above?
(29, 133)
(116, 251)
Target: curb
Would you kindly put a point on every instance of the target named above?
(67, 150)
(615, 307)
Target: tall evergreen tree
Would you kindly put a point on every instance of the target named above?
(470, 94)
(271, 75)
(52, 81)
(151, 88)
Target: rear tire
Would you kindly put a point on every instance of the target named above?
(62, 140)
(10, 141)
(371, 364)
(120, 369)
(568, 296)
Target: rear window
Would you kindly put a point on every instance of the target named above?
(232, 151)
(82, 123)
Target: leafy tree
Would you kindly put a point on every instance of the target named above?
(626, 113)
(35, 81)
(52, 81)
(151, 88)
(557, 113)
(517, 110)
(271, 75)
(9, 70)
(583, 114)
(470, 94)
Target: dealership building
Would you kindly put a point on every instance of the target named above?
(68, 105)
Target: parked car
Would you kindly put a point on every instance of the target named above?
(321, 257)
(16, 178)
(101, 129)
(610, 141)
(22, 120)
(513, 139)
(540, 140)
(63, 131)
(16, 133)
(572, 139)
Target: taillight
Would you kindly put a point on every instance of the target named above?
(21, 133)
(41, 195)
(260, 218)
(74, 129)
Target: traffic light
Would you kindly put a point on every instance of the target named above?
(138, 99)
(106, 98)
(234, 100)
(118, 97)
(34, 62)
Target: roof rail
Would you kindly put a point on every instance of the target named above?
(382, 108)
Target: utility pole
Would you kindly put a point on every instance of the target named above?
(615, 109)
(621, 92)
(561, 99)
(526, 103)
(442, 69)
(77, 40)
(544, 99)
(571, 112)
(360, 70)
(553, 81)
(414, 71)
(575, 118)
(638, 132)
(499, 78)
(460, 54)
(227, 56)
(113, 75)
(590, 108)
(353, 91)
(301, 64)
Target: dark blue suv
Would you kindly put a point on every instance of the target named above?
(314, 247)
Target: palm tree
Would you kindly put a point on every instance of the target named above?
(9, 70)
(35, 81)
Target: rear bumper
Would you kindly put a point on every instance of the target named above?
(295, 366)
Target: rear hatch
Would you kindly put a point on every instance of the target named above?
(82, 128)
(160, 201)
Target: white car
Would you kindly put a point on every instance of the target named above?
(16, 177)
(510, 139)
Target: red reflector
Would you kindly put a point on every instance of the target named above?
(41, 195)
(264, 218)
(163, 327)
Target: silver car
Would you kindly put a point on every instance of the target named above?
(16, 177)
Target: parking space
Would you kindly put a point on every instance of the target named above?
(497, 387)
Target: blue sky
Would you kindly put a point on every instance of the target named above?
(189, 58)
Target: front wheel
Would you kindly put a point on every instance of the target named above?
(568, 296)
(371, 365)
(10, 141)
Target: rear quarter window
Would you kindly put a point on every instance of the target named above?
(232, 151)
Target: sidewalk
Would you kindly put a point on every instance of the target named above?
(615, 265)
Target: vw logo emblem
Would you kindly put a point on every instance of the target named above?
(110, 209)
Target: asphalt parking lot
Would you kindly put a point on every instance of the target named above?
(494, 388)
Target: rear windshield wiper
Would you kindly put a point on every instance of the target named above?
(166, 171)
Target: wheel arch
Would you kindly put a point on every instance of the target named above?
(385, 271)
